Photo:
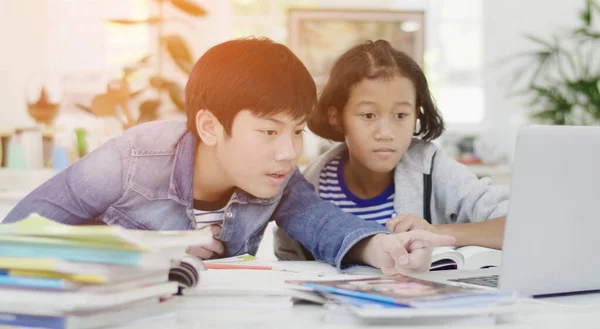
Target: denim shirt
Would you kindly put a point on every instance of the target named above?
(143, 180)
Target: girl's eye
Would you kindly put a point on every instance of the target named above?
(270, 132)
(300, 132)
(401, 115)
(368, 115)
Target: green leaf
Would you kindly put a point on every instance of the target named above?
(132, 69)
(148, 110)
(539, 41)
(176, 95)
(586, 15)
(551, 116)
(184, 66)
(143, 60)
(157, 82)
(189, 7)
(174, 90)
(149, 107)
(136, 93)
(151, 20)
(178, 49)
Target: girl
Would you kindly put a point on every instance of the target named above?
(377, 102)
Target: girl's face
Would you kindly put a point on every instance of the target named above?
(379, 121)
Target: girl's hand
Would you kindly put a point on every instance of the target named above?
(409, 222)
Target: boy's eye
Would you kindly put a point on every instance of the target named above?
(270, 132)
(368, 115)
(300, 132)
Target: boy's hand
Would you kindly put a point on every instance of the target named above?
(409, 222)
(396, 253)
(207, 251)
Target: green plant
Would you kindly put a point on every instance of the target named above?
(562, 77)
(170, 44)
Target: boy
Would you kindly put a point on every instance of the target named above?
(234, 164)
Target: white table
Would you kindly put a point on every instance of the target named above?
(578, 311)
(189, 316)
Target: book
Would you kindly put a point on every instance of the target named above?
(8, 279)
(186, 271)
(348, 310)
(71, 301)
(145, 309)
(464, 258)
(49, 273)
(406, 291)
(116, 236)
(82, 272)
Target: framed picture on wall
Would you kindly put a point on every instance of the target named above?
(318, 37)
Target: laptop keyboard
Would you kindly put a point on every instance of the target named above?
(486, 280)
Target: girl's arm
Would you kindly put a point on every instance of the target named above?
(488, 233)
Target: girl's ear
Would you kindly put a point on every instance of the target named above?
(420, 116)
(334, 119)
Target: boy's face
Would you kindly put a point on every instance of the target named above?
(261, 152)
(379, 121)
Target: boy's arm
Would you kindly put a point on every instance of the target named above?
(333, 235)
(82, 191)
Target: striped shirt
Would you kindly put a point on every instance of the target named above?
(332, 187)
(208, 213)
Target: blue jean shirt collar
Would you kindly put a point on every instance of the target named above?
(182, 174)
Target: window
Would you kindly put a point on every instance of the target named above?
(453, 45)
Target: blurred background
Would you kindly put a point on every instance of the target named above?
(74, 73)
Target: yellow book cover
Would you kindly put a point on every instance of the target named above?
(38, 226)
(79, 278)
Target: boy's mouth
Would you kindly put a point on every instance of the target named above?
(278, 177)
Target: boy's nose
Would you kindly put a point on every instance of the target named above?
(286, 151)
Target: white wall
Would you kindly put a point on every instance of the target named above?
(505, 23)
(67, 37)
(24, 31)
(24, 39)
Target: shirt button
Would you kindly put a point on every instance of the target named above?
(229, 214)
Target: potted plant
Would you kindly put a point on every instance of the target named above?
(561, 78)
(171, 47)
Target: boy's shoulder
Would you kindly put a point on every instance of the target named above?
(156, 137)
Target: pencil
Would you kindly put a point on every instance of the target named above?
(222, 266)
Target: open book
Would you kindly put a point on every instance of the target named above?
(464, 258)
(446, 258)
(186, 271)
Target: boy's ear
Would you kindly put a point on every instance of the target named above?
(334, 118)
(208, 126)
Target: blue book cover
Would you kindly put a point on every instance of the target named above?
(32, 282)
(33, 321)
(92, 255)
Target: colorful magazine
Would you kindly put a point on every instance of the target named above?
(409, 292)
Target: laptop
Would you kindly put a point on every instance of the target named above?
(552, 236)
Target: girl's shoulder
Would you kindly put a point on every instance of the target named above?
(419, 156)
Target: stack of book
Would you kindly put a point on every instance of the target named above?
(61, 276)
